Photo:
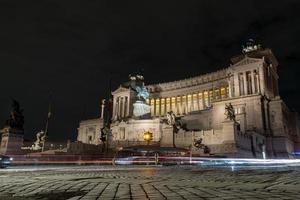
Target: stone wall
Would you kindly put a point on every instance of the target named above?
(133, 130)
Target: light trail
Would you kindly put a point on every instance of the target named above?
(150, 160)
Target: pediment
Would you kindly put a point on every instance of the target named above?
(120, 90)
(246, 61)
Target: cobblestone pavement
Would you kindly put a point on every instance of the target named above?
(100, 182)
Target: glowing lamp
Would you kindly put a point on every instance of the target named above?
(148, 136)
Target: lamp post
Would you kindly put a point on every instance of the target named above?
(47, 126)
(106, 114)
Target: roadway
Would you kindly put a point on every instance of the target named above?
(149, 182)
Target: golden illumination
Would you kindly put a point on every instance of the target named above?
(200, 101)
(173, 104)
(211, 96)
(157, 105)
(148, 136)
(189, 102)
(178, 101)
(206, 103)
(152, 106)
(162, 106)
(168, 105)
(183, 104)
(223, 93)
(217, 93)
(195, 102)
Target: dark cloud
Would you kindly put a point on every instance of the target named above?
(68, 48)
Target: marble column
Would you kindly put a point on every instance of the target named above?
(253, 82)
(257, 82)
(128, 106)
(154, 108)
(262, 79)
(192, 102)
(186, 105)
(123, 106)
(163, 107)
(159, 107)
(245, 83)
(198, 103)
(175, 106)
(102, 108)
(119, 107)
(208, 98)
(203, 102)
(236, 85)
(229, 88)
(114, 108)
(180, 106)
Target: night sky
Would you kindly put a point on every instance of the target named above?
(69, 48)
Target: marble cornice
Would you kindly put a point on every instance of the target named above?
(190, 82)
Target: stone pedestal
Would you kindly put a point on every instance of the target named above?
(229, 130)
(229, 143)
(12, 140)
(167, 136)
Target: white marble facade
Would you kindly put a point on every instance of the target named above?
(250, 84)
(89, 131)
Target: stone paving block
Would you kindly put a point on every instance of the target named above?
(141, 183)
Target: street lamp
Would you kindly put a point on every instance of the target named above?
(148, 136)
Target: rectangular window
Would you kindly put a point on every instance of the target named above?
(223, 92)
(249, 82)
(241, 84)
(217, 93)
(211, 97)
(255, 81)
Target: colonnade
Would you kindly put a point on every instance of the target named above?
(247, 82)
(185, 104)
(121, 107)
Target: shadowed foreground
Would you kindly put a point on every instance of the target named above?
(134, 182)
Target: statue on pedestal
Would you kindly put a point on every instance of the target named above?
(199, 145)
(229, 112)
(40, 140)
(16, 118)
(140, 108)
(13, 131)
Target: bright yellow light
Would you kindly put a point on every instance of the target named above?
(148, 136)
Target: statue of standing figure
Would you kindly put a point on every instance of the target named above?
(40, 139)
(229, 112)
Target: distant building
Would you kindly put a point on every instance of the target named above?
(262, 122)
(89, 131)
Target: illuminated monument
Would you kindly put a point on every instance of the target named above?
(236, 111)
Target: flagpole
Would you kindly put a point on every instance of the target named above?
(47, 125)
